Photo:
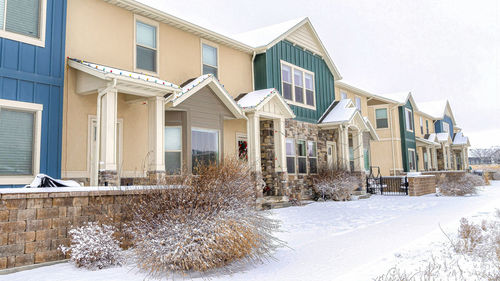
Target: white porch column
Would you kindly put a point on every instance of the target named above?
(445, 160)
(448, 151)
(359, 146)
(156, 135)
(108, 131)
(345, 147)
(253, 131)
(434, 159)
(279, 145)
(430, 161)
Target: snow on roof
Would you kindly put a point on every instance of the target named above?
(263, 36)
(442, 136)
(460, 139)
(253, 99)
(435, 109)
(342, 112)
(398, 97)
(432, 137)
(124, 73)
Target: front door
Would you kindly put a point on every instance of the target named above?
(331, 153)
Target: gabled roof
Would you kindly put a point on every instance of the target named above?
(460, 139)
(264, 38)
(437, 109)
(443, 137)
(371, 129)
(254, 101)
(127, 81)
(400, 98)
(339, 112)
(205, 80)
(348, 86)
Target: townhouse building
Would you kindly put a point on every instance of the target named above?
(32, 40)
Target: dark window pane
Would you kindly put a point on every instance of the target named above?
(301, 148)
(287, 91)
(16, 142)
(146, 59)
(382, 123)
(313, 165)
(173, 162)
(302, 165)
(290, 165)
(205, 147)
(209, 70)
(299, 94)
(309, 97)
(243, 150)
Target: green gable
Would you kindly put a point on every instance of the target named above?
(267, 70)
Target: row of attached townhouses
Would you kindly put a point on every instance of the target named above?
(110, 92)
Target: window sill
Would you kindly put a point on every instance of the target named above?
(147, 72)
(300, 104)
(39, 42)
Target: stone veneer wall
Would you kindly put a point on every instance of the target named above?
(34, 224)
(421, 185)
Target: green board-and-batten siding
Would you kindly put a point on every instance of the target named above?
(407, 138)
(267, 70)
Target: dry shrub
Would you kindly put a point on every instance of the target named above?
(93, 247)
(469, 236)
(462, 185)
(208, 222)
(335, 184)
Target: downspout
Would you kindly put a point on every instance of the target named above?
(253, 74)
(100, 94)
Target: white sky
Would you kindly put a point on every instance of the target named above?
(436, 49)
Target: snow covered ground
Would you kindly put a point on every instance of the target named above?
(355, 240)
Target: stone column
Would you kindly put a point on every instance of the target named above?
(253, 131)
(107, 164)
(156, 142)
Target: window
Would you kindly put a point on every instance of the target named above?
(366, 155)
(173, 150)
(446, 127)
(20, 131)
(358, 103)
(298, 85)
(411, 159)
(23, 20)
(381, 118)
(146, 46)
(210, 65)
(343, 95)
(301, 157)
(290, 156)
(421, 126)
(409, 120)
(427, 126)
(313, 157)
(204, 147)
(309, 89)
(286, 77)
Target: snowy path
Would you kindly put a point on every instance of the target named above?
(332, 240)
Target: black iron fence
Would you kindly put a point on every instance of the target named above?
(393, 185)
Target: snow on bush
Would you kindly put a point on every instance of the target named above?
(208, 223)
(335, 184)
(462, 185)
(93, 247)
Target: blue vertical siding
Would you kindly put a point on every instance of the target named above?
(267, 68)
(35, 74)
(438, 125)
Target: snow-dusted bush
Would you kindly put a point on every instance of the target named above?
(460, 186)
(93, 246)
(335, 184)
(209, 222)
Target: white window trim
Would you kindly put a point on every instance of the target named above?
(356, 98)
(37, 137)
(175, 150)
(219, 145)
(407, 121)
(157, 25)
(40, 41)
(297, 156)
(293, 102)
(313, 157)
(445, 125)
(294, 156)
(375, 115)
(211, 44)
(415, 158)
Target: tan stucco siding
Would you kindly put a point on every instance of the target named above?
(418, 132)
(381, 154)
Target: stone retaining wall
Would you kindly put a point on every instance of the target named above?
(34, 224)
(421, 185)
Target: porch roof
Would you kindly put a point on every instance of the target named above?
(344, 112)
(427, 141)
(95, 76)
(443, 137)
(256, 100)
(460, 140)
(200, 82)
